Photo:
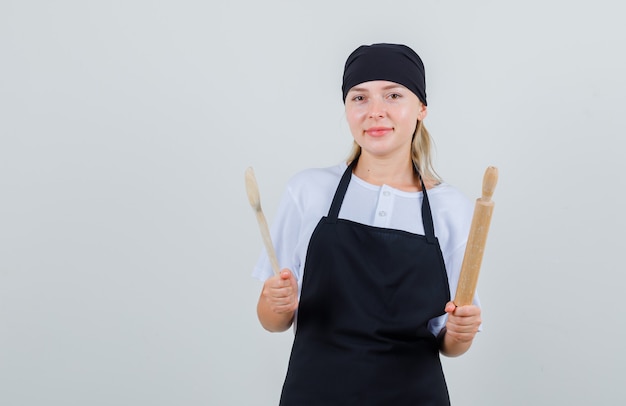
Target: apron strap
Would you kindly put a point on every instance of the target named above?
(427, 217)
(340, 193)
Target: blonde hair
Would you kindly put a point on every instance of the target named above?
(421, 154)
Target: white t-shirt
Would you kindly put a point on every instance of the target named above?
(308, 197)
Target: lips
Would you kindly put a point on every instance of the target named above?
(378, 131)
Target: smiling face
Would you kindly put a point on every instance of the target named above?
(382, 117)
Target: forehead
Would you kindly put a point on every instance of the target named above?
(377, 85)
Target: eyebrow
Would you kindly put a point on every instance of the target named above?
(387, 87)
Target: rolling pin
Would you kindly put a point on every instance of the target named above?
(476, 240)
(255, 201)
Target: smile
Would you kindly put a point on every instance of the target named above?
(378, 131)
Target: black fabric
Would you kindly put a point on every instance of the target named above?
(362, 333)
(393, 62)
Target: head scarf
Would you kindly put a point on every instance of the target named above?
(393, 62)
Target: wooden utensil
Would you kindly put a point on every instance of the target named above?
(476, 240)
(255, 201)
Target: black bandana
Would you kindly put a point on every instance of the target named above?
(392, 62)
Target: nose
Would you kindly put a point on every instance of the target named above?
(376, 108)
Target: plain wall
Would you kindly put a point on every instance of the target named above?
(127, 241)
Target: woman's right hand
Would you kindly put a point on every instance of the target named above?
(278, 301)
(280, 292)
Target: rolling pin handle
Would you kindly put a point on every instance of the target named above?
(489, 183)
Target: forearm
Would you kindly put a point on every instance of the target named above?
(271, 320)
(452, 346)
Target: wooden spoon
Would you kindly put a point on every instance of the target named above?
(255, 201)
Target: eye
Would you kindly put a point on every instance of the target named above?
(358, 98)
(395, 96)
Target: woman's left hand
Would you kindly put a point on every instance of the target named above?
(463, 322)
(461, 328)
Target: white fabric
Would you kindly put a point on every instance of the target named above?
(308, 197)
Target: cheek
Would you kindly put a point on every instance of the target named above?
(409, 117)
(409, 113)
(354, 117)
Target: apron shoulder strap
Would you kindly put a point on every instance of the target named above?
(340, 193)
(427, 217)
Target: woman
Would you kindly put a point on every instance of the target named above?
(371, 251)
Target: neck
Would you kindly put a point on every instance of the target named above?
(396, 173)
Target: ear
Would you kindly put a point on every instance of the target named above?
(423, 112)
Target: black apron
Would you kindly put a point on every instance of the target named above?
(367, 296)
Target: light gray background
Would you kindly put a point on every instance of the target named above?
(127, 241)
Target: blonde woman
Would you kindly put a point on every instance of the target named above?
(371, 250)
